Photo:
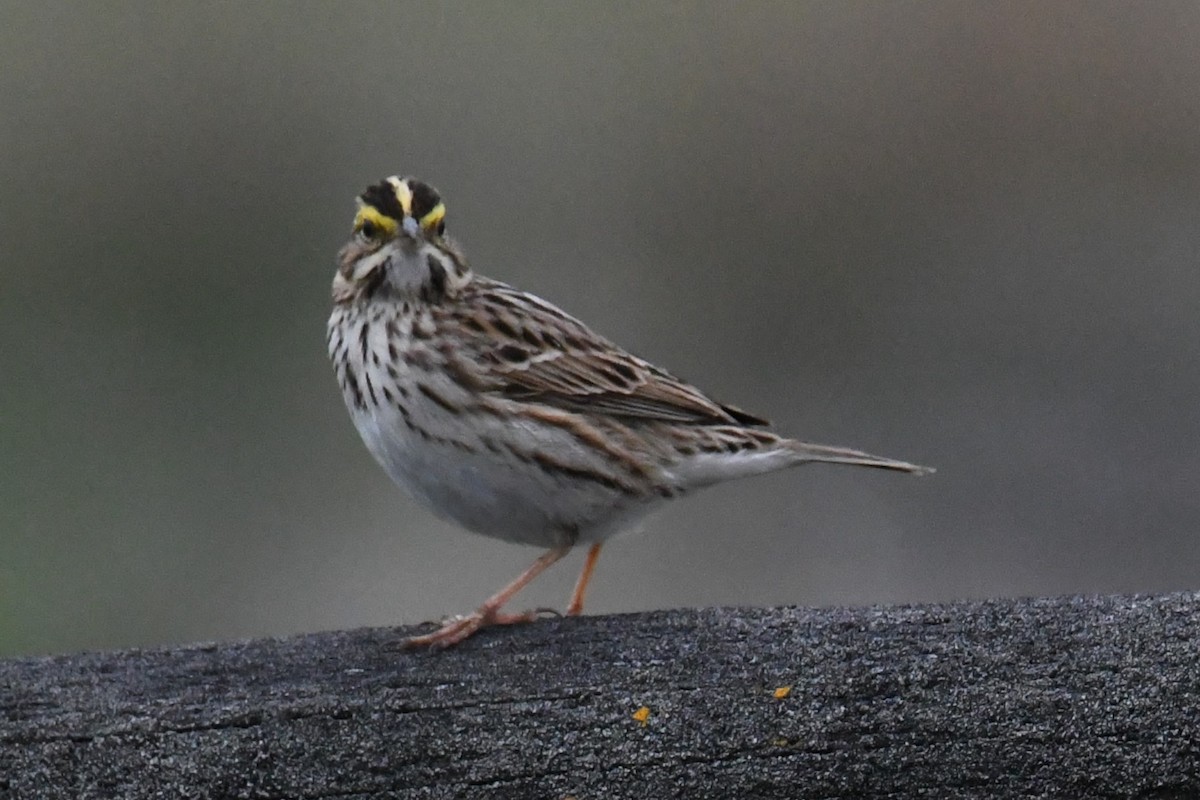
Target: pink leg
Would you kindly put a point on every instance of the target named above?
(576, 606)
(456, 630)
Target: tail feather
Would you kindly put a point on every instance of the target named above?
(805, 452)
(733, 453)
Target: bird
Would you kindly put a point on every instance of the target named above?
(501, 412)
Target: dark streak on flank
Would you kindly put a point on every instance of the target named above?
(352, 383)
(370, 387)
(431, 437)
(406, 416)
(362, 341)
(418, 359)
(437, 398)
(587, 435)
(554, 466)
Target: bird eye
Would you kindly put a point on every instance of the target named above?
(368, 229)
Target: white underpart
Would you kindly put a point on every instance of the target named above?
(494, 494)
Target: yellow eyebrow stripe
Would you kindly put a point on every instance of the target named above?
(368, 213)
(393, 215)
(435, 216)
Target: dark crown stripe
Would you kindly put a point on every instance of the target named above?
(382, 197)
(425, 197)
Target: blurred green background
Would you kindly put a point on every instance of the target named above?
(964, 234)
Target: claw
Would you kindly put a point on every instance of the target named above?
(450, 633)
(460, 627)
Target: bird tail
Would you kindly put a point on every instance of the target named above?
(734, 453)
(804, 453)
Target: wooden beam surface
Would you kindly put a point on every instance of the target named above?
(1063, 697)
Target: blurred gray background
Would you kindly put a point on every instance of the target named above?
(964, 234)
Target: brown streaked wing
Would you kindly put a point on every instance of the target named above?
(555, 359)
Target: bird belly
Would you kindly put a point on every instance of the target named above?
(496, 489)
(532, 478)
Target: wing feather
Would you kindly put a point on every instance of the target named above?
(534, 351)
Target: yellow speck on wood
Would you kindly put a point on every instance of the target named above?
(782, 692)
(642, 715)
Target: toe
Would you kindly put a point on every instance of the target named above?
(451, 633)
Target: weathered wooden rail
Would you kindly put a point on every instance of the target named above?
(1066, 697)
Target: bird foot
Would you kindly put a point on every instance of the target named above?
(456, 629)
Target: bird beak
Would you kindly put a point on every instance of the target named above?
(411, 227)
